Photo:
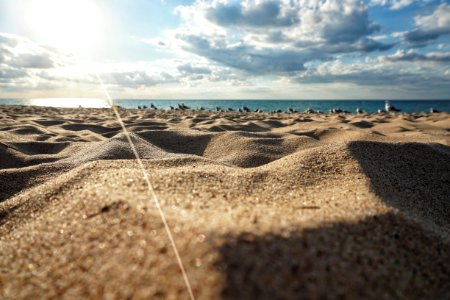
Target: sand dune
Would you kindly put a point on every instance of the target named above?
(265, 206)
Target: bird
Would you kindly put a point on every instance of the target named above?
(432, 110)
(240, 110)
(336, 110)
(182, 106)
(230, 109)
(309, 110)
(245, 108)
(144, 107)
(390, 108)
(218, 109)
(171, 107)
(152, 106)
(139, 107)
(359, 110)
(201, 108)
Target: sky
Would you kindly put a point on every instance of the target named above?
(225, 49)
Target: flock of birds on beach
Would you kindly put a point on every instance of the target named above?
(244, 109)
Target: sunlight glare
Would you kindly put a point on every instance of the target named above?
(67, 24)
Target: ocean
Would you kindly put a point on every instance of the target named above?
(370, 106)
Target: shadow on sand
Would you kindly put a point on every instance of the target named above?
(413, 177)
(381, 257)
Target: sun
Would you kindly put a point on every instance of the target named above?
(68, 24)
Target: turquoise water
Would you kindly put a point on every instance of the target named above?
(266, 105)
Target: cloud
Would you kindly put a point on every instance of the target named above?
(188, 68)
(248, 57)
(32, 61)
(377, 73)
(364, 45)
(138, 79)
(18, 52)
(9, 75)
(412, 55)
(430, 27)
(268, 36)
(28, 66)
(8, 40)
(397, 4)
(343, 21)
(251, 13)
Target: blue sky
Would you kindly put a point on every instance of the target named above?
(253, 49)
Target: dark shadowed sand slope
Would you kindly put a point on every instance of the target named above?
(262, 206)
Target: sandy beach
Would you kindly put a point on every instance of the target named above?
(261, 206)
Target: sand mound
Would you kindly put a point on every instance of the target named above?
(261, 206)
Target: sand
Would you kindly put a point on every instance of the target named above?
(261, 206)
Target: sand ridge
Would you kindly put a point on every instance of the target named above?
(266, 206)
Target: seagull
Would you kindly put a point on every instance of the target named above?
(182, 106)
(432, 110)
(309, 111)
(246, 109)
(390, 108)
(152, 106)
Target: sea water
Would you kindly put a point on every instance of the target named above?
(265, 105)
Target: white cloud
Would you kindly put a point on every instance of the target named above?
(383, 73)
(430, 27)
(275, 36)
(397, 4)
(414, 56)
(18, 52)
